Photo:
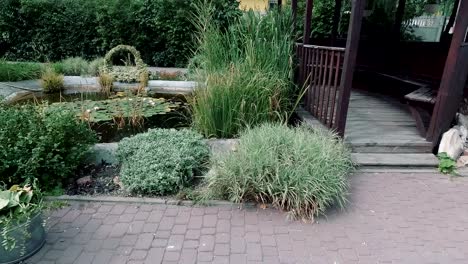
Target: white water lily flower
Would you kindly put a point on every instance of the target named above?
(88, 110)
(96, 108)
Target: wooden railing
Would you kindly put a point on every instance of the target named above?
(320, 72)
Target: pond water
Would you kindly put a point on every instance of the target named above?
(118, 115)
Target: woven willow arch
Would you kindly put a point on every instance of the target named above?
(128, 74)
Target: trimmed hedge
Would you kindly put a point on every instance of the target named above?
(42, 30)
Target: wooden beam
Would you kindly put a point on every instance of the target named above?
(308, 21)
(399, 19)
(336, 20)
(352, 44)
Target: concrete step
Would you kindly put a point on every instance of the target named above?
(391, 160)
(392, 147)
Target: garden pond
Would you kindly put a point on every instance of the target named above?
(121, 114)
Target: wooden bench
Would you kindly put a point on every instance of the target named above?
(421, 104)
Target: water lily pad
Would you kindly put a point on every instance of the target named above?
(118, 108)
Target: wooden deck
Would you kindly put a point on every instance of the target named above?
(378, 124)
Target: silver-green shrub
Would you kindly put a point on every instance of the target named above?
(295, 169)
(75, 66)
(95, 66)
(161, 161)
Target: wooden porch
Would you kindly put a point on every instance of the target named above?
(378, 123)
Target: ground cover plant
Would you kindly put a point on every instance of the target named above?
(19, 71)
(161, 161)
(244, 72)
(38, 142)
(300, 170)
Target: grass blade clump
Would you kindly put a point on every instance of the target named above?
(19, 71)
(244, 72)
(296, 169)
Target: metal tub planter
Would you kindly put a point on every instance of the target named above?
(29, 238)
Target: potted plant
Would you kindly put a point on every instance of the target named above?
(21, 227)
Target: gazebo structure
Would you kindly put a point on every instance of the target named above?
(426, 81)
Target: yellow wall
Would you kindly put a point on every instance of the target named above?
(257, 5)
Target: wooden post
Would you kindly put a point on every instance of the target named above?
(308, 21)
(454, 78)
(445, 35)
(294, 15)
(336, 21)
(352, 44)
(398, 20)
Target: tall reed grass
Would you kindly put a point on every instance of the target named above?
(244, 72)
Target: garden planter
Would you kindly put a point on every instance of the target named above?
(32, 244)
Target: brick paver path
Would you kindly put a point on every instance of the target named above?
(391, 218)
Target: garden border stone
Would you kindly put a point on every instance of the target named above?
(107, 152)
(146, 200)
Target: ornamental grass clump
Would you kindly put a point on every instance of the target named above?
(19, 71)
(51, 81)
(162, 161)
(244, 72)
(299, 170)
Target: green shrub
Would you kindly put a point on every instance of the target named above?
(161, 161)
(244, 71)
(51, 30)
(75, 66)
(40, 143)
(295, 169)
(51, 81)
(19, 71)
(95, 66)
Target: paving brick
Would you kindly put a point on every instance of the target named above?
(150, 227)
(205, 256)
(119, 230)
(238, 258)
(207, 243)
(103, 256)
(160, 242)
(167, 223)
(128, 240)
(135, 227)
(179, 229)
(222, 250)
(155, 255)
(70, 216)
(237, 245)
(138, 255)
(171, 256)
(85, 258)
(223, 237)
(188, 256)
(144, 241)
(118, 209)
(141, 216)
(191, 244)
(192, 234)
(392, 218)
(195, 222)
(111, 243)
(175, 243)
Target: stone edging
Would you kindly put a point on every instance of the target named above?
(144, 200)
